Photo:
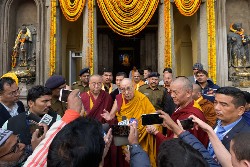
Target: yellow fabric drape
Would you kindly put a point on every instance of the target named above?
(110, 88)
(91, 104)
(52, 38)
(168, 31)
(72, 10)
(211, 39)
(187, 7)
(134, 109)
(127, 18)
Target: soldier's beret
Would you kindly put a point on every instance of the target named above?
(153, 74)
(84, 70)
(55, 81)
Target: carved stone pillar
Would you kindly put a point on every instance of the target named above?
(221, 43)
(202, 36)
(161, 37)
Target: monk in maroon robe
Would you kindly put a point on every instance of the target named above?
(96, 100)
(181, 91)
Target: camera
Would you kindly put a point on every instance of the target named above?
(120, 133)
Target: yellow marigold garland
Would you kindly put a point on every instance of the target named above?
(168, 46)
(211, 40)
(127, 17)
(187, 7)
(90, 52)
(53, 38)
(72, 11)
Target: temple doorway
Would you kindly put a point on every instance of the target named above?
(185, 43)
(70, 40)
(123, 53)
(126, 54)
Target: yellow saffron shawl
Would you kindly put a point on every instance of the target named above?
(134, 109)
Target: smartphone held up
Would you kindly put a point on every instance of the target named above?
(187, 123)
(150, 119)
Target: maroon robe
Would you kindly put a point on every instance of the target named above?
(103, 101)
(184, 114)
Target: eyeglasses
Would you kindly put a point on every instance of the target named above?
(195, 69)
(129, 89)
(14, 93)
(14, 148)
(95, 83)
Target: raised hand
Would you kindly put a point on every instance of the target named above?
(106, 115)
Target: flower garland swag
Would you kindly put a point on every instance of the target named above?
(211, 39)
(168, 46)
(127, 17)
(52, 38)
(72, 10)
(90, 52)
(187, 7)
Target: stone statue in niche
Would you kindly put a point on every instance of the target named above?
(23, 58)
(238, 55)
(238, 46)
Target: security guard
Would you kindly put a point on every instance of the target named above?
(83, 84)
(55, 83)
(153, 91)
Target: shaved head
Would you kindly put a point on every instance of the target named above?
(196, 88)
(96, 76)
(184, 82)
(127, 89)
(127, 81)
(181, 91)
(196, 94)
(95, 84)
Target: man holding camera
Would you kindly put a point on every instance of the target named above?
(39, 101)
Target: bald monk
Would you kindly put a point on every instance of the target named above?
(181, 91)
(96, 99)
(132, 104)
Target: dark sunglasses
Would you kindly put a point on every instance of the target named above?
(14, 148)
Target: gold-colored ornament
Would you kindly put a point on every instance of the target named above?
(168, 33)
(53, 38)
(127, 17)
(187, 7)
(72, 10)
(90, 52)
(211, 39)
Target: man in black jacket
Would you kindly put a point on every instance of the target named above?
(10, 106)
(39, 102)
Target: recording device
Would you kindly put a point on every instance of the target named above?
(187, 123)
(150, 119)
(33, 126)
(120, 130)
(64, 94)
(120, 133)
(33, 117)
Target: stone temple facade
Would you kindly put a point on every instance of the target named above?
(189, 40)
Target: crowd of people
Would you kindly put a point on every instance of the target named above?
(78, 132)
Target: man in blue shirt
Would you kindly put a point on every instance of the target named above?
(229, 105)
